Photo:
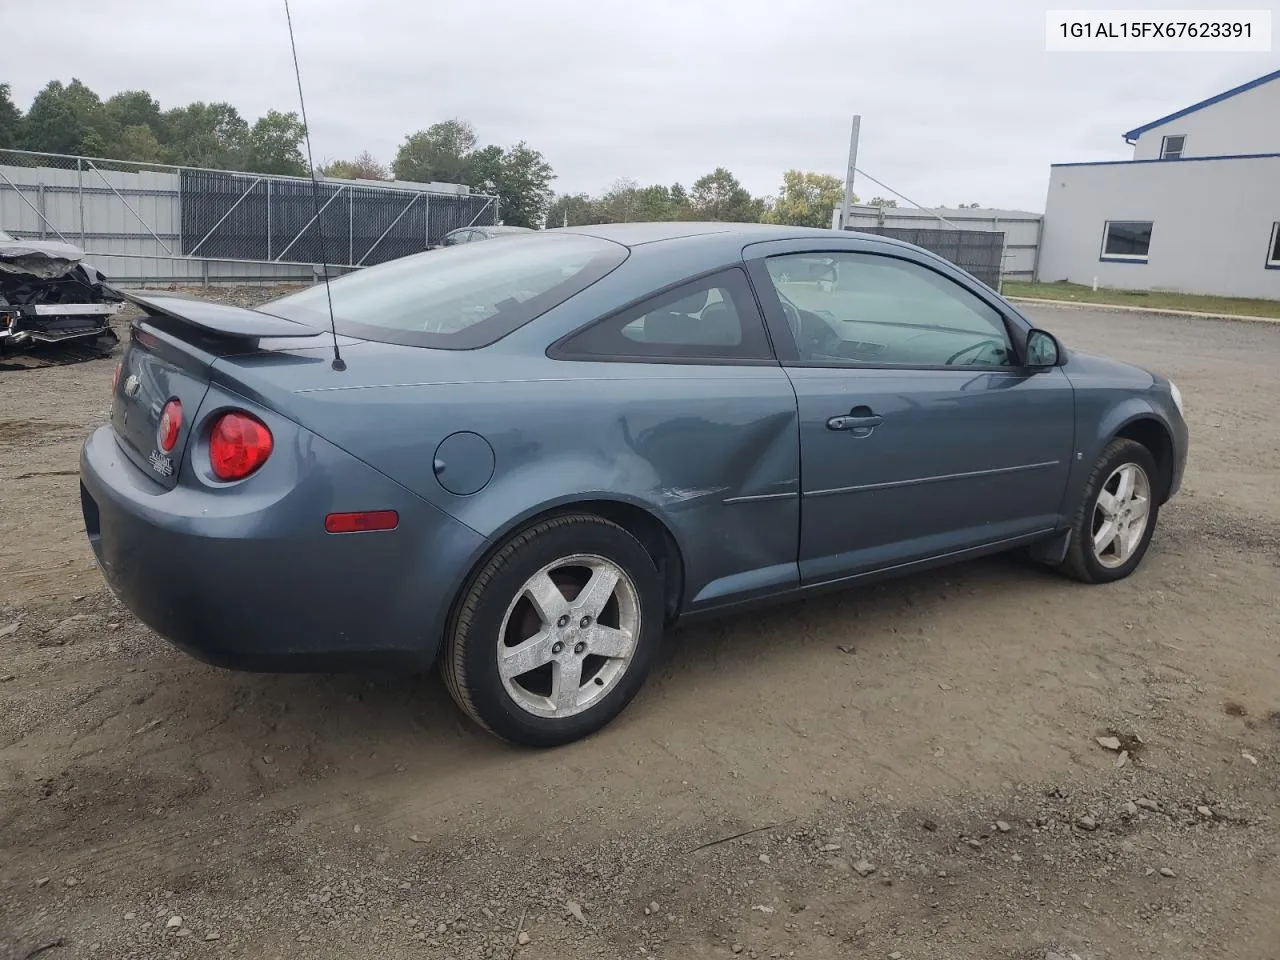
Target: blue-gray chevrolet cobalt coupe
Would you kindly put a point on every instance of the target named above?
(536, 453)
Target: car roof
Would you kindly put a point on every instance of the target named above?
(637, 234)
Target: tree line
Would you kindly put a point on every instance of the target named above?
(804, 199)
(131, 125)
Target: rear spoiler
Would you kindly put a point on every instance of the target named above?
(218, 319)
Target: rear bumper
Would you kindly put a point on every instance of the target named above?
(253, 582)
(23, 325)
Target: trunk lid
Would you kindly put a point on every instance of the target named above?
(153, 371)
(168, 356)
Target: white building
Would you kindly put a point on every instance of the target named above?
(1197, 209)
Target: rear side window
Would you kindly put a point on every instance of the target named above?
(710, 319)
(458, 297)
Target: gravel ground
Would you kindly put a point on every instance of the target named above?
(926, 767)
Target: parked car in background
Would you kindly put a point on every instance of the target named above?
(539, 454)
(48, 295)
(472, 234)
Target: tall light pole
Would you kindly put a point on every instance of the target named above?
(848, 179)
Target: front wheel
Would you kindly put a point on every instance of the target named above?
(1117, 516)
(555, 634)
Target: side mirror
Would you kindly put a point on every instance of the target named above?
(1042, 350)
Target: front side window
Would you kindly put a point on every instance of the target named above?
(714, 318)
(1126, 240)
(1273, 248)
(1171, 147)
(856, 308)
(458, 297)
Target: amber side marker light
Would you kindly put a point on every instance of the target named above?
(361, 522)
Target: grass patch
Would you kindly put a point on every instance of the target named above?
(1239, 306)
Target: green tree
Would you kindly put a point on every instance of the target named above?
(207, 135)
(482, 169)
(521, 178)
(10, 119)
(618, 204)
(660, 202)
(133, 108)
(274, 145)
(806, 199)
(882, 202)
(68, 119)
(571, 209)
(363, 167)
(719, 196)
(139, 143)
(438, 153)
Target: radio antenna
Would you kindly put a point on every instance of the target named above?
(338, 362)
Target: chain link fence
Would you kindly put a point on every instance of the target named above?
(143, 223)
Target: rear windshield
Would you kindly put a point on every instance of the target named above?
(459, 297)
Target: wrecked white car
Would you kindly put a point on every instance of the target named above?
(48, 295)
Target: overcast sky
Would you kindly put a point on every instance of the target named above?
(959, 100)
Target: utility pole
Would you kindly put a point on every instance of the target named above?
(848, 180)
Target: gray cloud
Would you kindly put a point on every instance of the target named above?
(960, 102)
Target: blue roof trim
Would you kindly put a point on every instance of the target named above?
(1130, 163)
(1138, 131)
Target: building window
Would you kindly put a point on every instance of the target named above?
(1273, 248)
(1126, 240)
(1171, 147)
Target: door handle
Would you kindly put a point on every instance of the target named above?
(857, 422)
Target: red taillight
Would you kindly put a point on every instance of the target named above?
(170, 425)
(239, 445)
(357, 522)
(115, 377)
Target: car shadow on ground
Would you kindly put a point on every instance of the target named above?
(382, 721)
(169, 734)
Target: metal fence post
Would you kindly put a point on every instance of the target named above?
(182, 248)
(269, 192)
(1035, 259)
(40, 204)
(80, 192)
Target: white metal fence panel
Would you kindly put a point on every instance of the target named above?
(146, 223)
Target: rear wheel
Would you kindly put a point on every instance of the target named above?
(556, 633)
(1117, 516)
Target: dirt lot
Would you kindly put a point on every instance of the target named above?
(919, 759)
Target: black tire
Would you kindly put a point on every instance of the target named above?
(1081, 561)
(470, 658)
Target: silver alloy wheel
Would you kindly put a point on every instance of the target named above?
(568, 636)
(1121, 515)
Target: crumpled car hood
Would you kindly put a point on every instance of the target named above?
(43, 259)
